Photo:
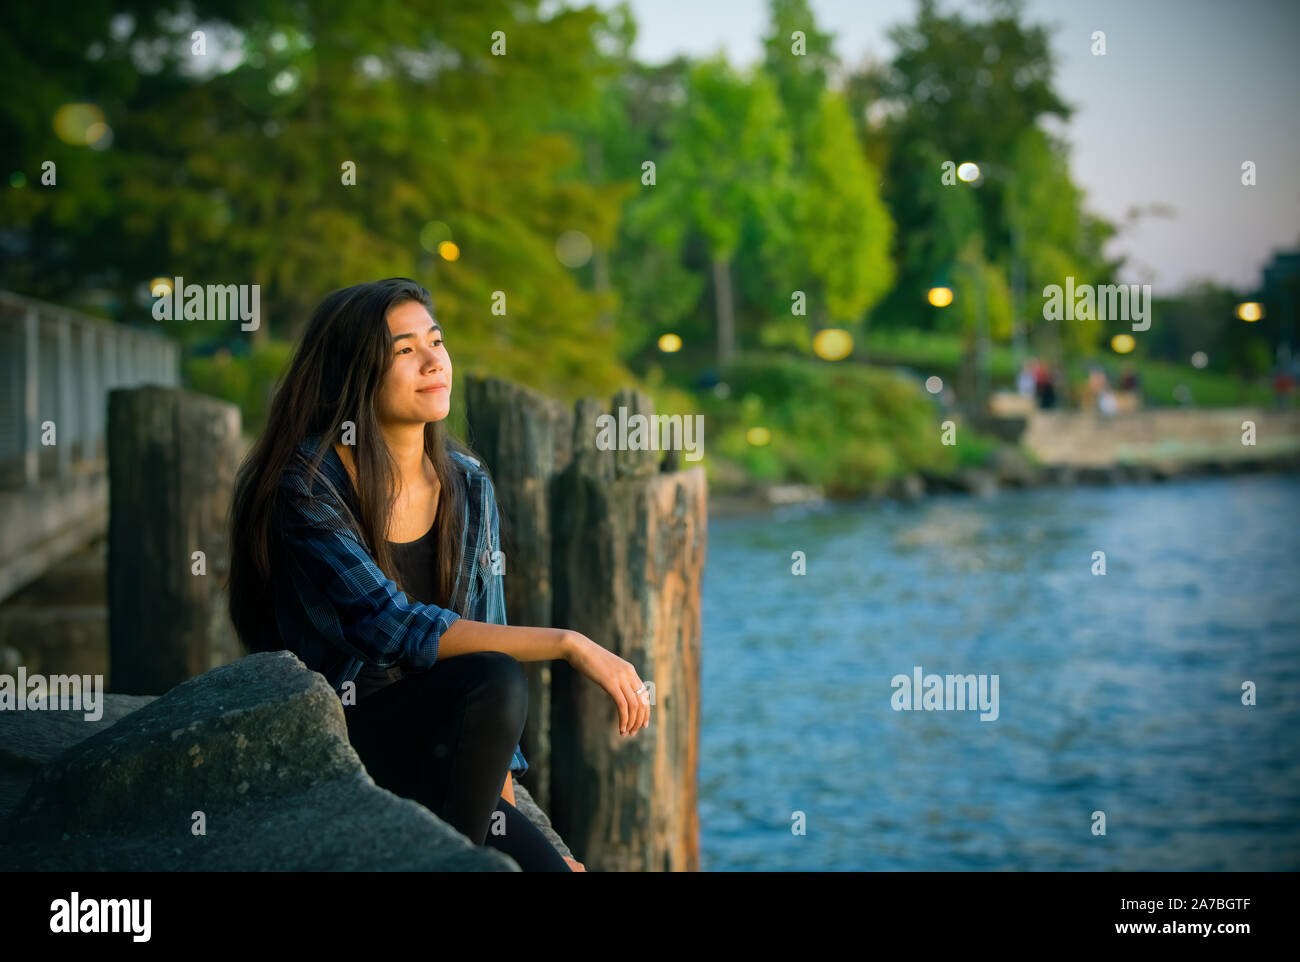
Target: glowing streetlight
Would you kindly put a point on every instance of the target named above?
(940, 296)
(1250, 311)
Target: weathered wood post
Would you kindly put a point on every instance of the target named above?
(525, 438)
(629, 548)
(172, 458)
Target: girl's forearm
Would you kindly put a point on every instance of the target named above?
(519, 641)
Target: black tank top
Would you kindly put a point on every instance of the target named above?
(414, 561)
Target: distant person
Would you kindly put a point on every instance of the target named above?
(1130, 381)
(1107, 403)
(1100, 393)
(1043, 386)
(1283, 383)
(1026, 379)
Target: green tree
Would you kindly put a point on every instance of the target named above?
(727, 165)
(233, 171)
(801, 60)
(837, 247)
(958, 90)
(1053, 236)
(977, 89)
(651, 288)
(842, 231)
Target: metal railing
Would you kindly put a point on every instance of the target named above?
(56, 369)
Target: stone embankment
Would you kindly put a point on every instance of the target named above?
(255, 752)
(1053, 448)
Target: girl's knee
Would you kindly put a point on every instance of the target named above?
(504, 677)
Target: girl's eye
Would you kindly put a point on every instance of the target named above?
(435, 343)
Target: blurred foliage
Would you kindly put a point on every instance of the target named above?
(929, 352)
(234, 173)
(245, 381)
(795, 175)
(847, 427)
(959, 90)
(939, 353)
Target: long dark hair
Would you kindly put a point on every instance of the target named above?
(334, 376)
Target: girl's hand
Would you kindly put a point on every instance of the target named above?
(617, 677)
(574, 864)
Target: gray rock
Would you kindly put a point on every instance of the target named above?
(29, 740)
(981, 483)
(940, 483)
(1093, 474)
(259, 746)
(341, 824)
(1138, 473)
(1060, 474)
(524, 802)
(793, 493)
(1011, 467)
(906, 487)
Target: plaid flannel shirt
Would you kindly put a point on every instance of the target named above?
(336, 610)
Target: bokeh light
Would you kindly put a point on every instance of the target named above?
(1199, 359)
(100, 136)
(285, 82)
(758, 436)
(1122, 343)
(940, 296)
(573, 248)
(80, 124)
(1250, 311)
(968, 172)
(669, 343)
(432, 234)
(934, 384)
(448, 251)
(161, 287)
(833, 344)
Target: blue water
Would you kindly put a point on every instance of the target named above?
(1119, 693)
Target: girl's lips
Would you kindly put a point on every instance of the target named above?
(426, 390)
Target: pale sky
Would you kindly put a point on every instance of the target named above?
(1187, 91)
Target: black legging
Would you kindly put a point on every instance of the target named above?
(445, 737)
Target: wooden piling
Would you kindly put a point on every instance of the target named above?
(172, 458)
(525, 440)
(628, 563)
(611, 544)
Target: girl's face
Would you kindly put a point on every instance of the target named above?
(417, 387)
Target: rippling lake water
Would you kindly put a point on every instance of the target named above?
(1119, 693)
